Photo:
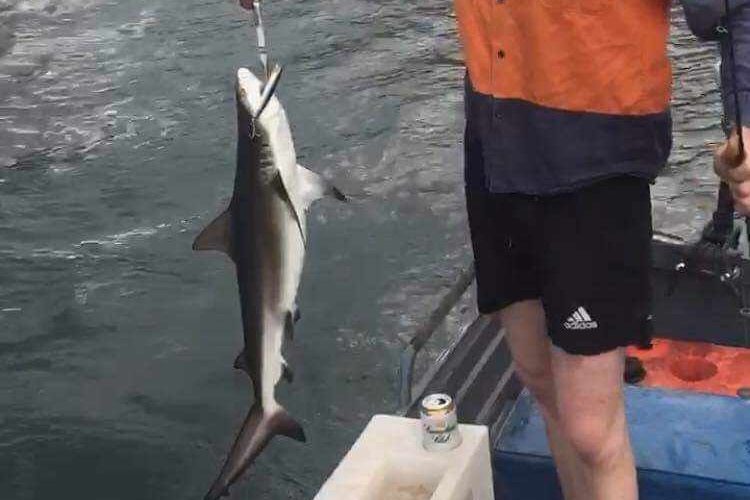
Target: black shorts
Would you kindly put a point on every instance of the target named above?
(586, 255)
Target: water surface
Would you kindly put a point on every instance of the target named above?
(116, 147)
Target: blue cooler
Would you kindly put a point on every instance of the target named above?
(688, 446)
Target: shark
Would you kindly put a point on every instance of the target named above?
(264, 232)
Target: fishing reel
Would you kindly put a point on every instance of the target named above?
(718, 253)
(721, 253)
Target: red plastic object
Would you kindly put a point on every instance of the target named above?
(695, 366)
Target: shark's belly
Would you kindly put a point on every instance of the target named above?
(290, 255)
(275, 253)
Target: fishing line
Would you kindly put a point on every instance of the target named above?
(272, 75)
(260, 32)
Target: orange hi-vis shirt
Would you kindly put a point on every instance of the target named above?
(563, 93)
(601, 56)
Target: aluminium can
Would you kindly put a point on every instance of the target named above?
(440, 430)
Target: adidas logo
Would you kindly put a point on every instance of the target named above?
(580, 320)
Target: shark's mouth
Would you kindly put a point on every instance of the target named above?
(255, 94)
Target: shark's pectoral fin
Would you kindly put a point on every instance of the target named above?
(289, 326)
(217, 235)
(315, 187)
(287, 372)
(240, 362)
(287, 426)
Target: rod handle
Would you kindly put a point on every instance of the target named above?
(734, 154)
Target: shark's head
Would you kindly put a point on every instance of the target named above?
(250, 94)
(266, 144)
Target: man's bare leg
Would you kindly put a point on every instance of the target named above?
(590, 402)
(526, 331)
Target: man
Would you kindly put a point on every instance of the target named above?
(568, 123)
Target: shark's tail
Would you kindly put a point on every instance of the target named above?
(258, 429)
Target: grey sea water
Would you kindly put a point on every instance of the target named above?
(117, 146)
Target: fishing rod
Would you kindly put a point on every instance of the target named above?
(718, 243)
(716, 253)
(734, 161)
(718, 231)
(726, 30)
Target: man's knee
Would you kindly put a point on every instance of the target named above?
(536, 378)
(598, 442)
(526, 333)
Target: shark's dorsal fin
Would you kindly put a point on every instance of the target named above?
(314, 187)
(217, 235)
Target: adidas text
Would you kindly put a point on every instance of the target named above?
(580, 320)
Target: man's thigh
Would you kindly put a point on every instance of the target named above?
(589, 391)
(526, 334)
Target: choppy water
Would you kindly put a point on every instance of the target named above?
(116, 146)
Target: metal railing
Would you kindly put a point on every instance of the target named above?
(415, 342)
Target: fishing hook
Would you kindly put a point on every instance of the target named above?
(265, 97)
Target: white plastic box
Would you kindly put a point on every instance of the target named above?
(388, 462)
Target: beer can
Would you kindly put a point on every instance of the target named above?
(439, 423)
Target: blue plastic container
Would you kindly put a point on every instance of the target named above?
(688, 446)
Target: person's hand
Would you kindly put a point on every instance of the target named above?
(246, 4)
(734, 169)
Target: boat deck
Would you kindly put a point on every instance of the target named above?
(688, 446)
(698, 301)
(478, 373)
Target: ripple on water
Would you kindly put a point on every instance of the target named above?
(122, 239)
(51, 78)
(7, 39)
(112, 305)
